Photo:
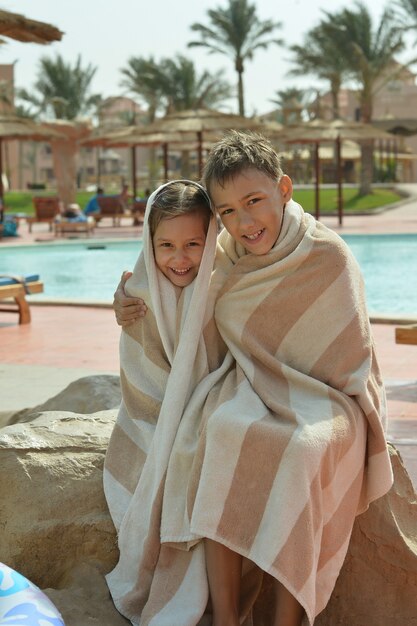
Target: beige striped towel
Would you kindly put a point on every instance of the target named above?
(167, 341)
(279, 449)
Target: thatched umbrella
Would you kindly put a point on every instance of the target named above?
(132, 136)
(201, 121)
(190, 129)
(21, 128)
(101, 136)
(321, 131)
(21, 28)
(138, 137)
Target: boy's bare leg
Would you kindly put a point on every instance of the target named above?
(224, 569)
(288, 611)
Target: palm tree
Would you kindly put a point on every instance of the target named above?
(61, 89)
(143, 78)
(408, 14)
(173, 84)
(185, 89)
(369, 52)
(291, 102)
(236, 31)
(319, 56)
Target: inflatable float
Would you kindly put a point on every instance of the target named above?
(23, 604)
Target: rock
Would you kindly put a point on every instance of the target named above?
(85, 599)
(52, 507)
(86, 395)
(56, 530)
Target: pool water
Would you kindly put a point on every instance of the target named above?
(389, 266)
(91, 270)
(79, 271)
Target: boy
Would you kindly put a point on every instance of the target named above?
(292, 445)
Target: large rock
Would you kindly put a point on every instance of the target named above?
(53, 513)
(86, 395)
(56, 530)
(85, 599)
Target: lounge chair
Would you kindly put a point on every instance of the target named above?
(138, 212)
(111, 206)
(15, 288)
(46, 210)
(63, 227)
(406, 334)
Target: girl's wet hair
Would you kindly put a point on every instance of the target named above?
(179, 198)
(238, 151)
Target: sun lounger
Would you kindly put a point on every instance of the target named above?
(16, 288)
(63, 227)
(111, 206)
(46, 210)
(138, 211)
(406, 334)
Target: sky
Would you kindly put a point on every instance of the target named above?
(107, 33)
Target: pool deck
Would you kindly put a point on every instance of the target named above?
(64, 343)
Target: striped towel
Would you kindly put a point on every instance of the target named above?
(162, 359)
(278, 449)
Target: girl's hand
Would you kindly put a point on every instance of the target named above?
(127, 309)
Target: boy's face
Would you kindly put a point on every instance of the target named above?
(251, 207)
(178, 245)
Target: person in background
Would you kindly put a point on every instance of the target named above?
(92, 205)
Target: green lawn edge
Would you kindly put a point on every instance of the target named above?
(353, 203)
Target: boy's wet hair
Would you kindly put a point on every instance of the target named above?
(238, 151)
(179, 198)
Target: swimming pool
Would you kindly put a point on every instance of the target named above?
(91, 270)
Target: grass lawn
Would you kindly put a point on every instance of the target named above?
(21, 201)
(352, 202)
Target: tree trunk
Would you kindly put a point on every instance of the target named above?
(64, 156)
(367, 167)
(185, 164)
(153, 169)
(241, 98)
(240, 94)
(34, 162)
(334, 89)
(20, 166)
(64, 153)
(367, 147)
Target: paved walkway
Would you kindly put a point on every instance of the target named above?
(65, 343)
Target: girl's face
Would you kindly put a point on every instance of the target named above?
(178, 244)
(251, 207)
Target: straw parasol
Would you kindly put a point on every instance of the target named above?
(201, 121)
(132, 136)
(189, 129)
(13, 127)
(321, 131)
(21, 28)
(139, 137)
(405, 127)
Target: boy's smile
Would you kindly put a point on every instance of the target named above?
(178, 245)
(251, 207)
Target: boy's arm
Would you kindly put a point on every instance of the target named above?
(126, 308)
